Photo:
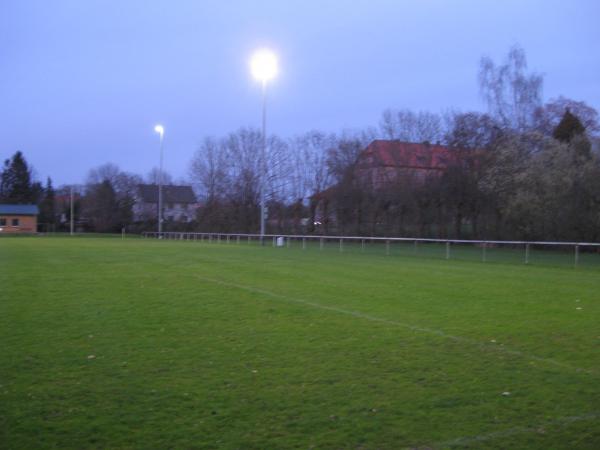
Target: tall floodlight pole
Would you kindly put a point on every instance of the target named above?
(264, 68)
(72, 219)
(263, 162)
(161, 131)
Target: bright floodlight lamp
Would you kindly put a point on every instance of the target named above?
(159, 129)
(264, 65)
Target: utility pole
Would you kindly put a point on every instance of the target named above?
(72, 215)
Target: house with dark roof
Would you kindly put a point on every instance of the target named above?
(18, 218)
(179, 203)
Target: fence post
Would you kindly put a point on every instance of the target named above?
(576, 255)
(274, 239)
(387, 247)
(526, 253)
(288, 242)
(238, 239)
(483, 249)
(303, 243)
(416, 247)
(341, 245)
(248, 240)
(447, 249)
(321, 244)
(362, 245)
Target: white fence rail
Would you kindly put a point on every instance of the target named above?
(526, 252)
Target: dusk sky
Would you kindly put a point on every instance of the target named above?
(83, 83)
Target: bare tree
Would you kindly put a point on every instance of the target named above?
(124, 183)
(279, 169)
(511, 94)
(153, 176)
(309, 153)
(309, 171)
(110, 195)
(227, 171)
(406, 125)
(471, 130)
(208, 169)
(108, 171)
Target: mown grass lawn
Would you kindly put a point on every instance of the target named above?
(110, 343)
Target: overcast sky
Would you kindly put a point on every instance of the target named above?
(82, 82)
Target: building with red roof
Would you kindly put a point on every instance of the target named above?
(383, 162)
(386, 165)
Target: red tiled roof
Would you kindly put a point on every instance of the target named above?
(409, 155)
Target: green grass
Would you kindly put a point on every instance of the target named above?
(231, 346)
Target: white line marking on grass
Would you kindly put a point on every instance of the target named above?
(540, 428)
(360, 315)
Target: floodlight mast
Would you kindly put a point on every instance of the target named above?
(71, 218)
(161, 131)
(263, 162)
(264, 68)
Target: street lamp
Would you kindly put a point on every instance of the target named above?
(161, 131)
(264, 68)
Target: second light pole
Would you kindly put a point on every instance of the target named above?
(161, 131)
(264, 68)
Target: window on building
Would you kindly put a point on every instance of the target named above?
(15, 222)
(2, 222)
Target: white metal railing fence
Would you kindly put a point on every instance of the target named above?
(573, 250)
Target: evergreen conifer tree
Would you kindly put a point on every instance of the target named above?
(47, 209)
(15, 183)
(568, 127)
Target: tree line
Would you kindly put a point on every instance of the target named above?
(524, 169)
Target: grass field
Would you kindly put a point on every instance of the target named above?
(138, 343)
